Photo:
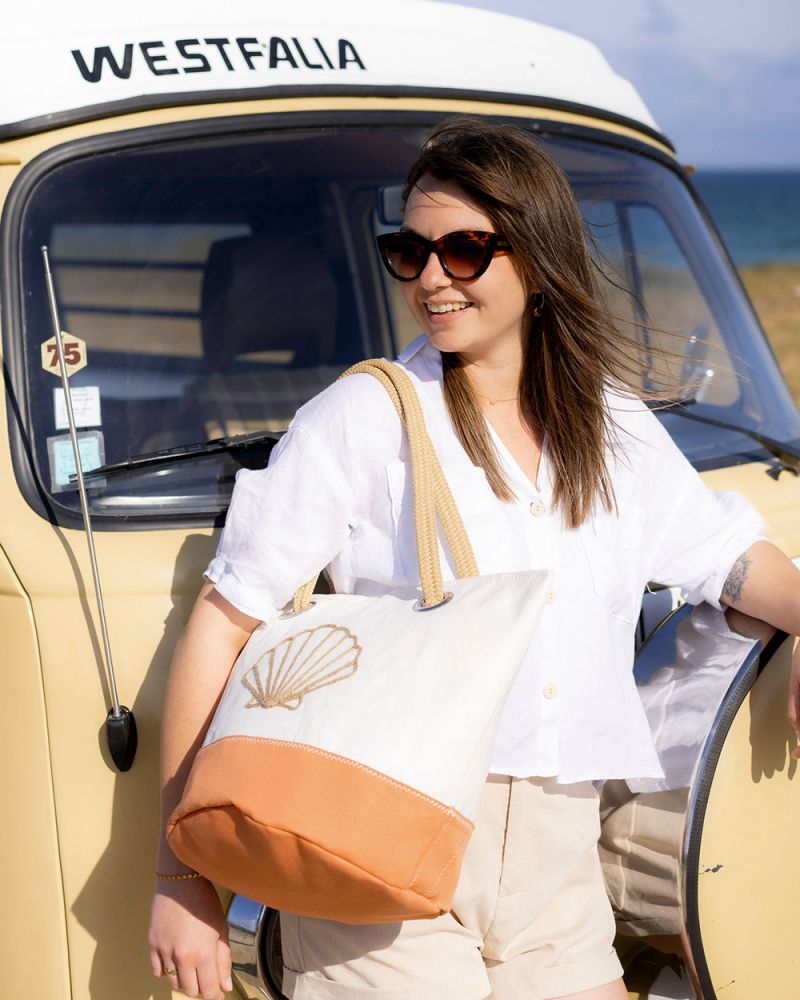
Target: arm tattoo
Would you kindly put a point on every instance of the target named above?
(738, 574)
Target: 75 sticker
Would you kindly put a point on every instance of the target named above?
(74, 354)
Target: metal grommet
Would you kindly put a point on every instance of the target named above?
(446, 598)
(294, 614)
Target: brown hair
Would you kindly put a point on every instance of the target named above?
(572, 352)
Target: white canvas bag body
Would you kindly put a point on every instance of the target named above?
(343, 768)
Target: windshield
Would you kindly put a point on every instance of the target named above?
(211, 287)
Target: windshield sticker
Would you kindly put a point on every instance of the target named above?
(210, 55)
(74, 354)
(85, 406)
(62, 459)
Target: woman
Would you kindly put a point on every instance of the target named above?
(553, 463)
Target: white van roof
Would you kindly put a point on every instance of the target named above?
(64, 62)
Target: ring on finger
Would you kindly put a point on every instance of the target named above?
(170, 972)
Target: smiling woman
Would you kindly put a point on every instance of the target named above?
(556, 465)
(530, 327)
(477, 320)
(211, 233)
(465, 309)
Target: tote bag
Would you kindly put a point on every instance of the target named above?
(344, 766)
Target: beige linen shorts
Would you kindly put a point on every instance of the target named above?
(530, 918)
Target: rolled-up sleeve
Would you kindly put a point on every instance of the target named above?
(698, 534)
(284, 524)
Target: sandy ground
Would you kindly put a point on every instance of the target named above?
(775, 291)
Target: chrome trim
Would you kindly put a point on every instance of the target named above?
(248, 923)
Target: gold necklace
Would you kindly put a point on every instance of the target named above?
(492, 402)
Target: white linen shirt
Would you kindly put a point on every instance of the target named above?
(337, 492)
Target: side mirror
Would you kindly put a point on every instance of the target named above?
(695, 373)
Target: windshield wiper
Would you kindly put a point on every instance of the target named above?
(787, 454)
(183, 452)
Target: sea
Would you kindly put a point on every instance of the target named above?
(756, 211)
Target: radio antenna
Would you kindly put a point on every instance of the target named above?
(120, 723)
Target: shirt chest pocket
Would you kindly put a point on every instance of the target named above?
(615, 563)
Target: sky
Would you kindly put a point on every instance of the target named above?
(721, 77)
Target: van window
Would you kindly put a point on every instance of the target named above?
(213, 285)
(216, 286)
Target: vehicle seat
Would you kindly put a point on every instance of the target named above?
(268, 313)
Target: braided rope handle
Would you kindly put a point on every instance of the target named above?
(431, 491)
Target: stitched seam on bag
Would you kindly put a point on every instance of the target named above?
(449, 864)
(447, 810)
(428, 850)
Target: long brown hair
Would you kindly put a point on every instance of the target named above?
(573, 350)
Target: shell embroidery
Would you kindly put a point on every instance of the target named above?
(303, 663)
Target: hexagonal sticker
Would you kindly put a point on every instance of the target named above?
(74, 354)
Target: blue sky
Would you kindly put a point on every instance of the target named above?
(721, 77)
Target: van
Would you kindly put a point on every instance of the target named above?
(208, 185)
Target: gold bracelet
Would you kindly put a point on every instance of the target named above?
(177, 878)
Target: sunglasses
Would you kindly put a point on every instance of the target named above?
(464, 255)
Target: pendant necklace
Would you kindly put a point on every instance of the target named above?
(492, 402)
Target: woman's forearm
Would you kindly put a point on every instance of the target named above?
(204, 655)
(765, 584)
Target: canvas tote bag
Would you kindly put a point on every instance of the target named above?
(345, 763)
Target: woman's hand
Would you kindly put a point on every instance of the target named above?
(188, 933)
(794, 699)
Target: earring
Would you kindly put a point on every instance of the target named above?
(539, 307)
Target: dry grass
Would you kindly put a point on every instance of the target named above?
(775, 291)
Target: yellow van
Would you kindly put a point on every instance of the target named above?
(208, 187)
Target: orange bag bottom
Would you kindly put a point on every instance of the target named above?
(309, 832)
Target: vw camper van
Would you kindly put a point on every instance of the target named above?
(208, 183)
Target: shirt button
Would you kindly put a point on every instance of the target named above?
(552, 597)
(550, 691)
(537, 507)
